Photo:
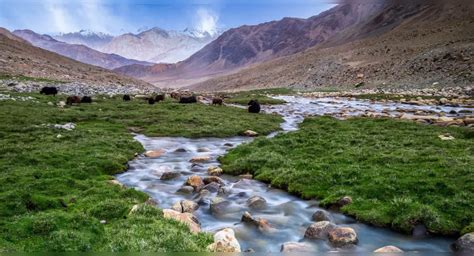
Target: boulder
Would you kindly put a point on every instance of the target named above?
(187, 218)
(200, 159)
(203, 198)
(295, 247)
(203, 150)
(342, 236)
(250, 133)
(218, 206)
(388, 249)
(214, 171)
(225, 241)
(170, 175)
(195, 182)
(322, 215)
(185, 206)
(180, 150)
(465, 244)
(257, 202)
(319, 230)
(154, 153)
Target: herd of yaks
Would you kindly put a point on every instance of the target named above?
(254, 106)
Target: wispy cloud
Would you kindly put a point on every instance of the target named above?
(207, 21)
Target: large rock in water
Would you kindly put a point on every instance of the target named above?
(185, 206)
(187, 218)
(225, 241)
(465, 244)
(218, 206)
(195, 182)
(343, 236)
(319, 230)
(322, 215)
(257, 202)
(170, 175)
(296, 247)
(154, 153)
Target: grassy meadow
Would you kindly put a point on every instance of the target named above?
(55, 184)
(398, 173)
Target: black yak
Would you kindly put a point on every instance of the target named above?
(254, 106)
(160, 97)
(126, 97)
(86, 99)
(49, 91)
(151, 101)
(73, 100)
(187, 100)
(217, 101)
(175, 95)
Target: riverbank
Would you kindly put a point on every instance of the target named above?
(57, 189)
(398, 173)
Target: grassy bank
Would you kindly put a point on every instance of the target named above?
(54, 184)
(244, 97)
(398, 173)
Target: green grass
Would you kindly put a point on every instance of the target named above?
(398, 173)
(244, 97)
(55, 191)
(22, 78)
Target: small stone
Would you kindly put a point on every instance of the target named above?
(342, 236)
(154, 153)
(152, 202)
(321, 215)
(319, 230)
(388, 249)
(50, 103)
(228, 145)
(296, 247)
(214, 171)
(181, 150)
(257, 202)
(446, 136)
(203, 150)
(250, 133)
(170, 175)
(186, 190)
(195, 182)
(59, 136)
(200, 159)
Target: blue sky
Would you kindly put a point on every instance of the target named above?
(119, 16)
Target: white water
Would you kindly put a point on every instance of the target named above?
(289, 215)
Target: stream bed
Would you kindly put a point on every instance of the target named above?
(287, 214)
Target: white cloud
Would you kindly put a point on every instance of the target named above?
(206, 21)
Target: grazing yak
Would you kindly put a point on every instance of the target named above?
(73, 100)
(160, 97)
(175, 95)
(187, 100)
(151, 101)
(86, 99)
(217, 101)
(49, 91)
(254, 106)
(126, 97)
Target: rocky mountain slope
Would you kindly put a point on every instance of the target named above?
(246, 45)
(158, 45)
(20, 58)
(77, 52)
(407, 43)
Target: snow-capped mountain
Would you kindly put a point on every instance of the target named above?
(94, 40)
(159, 45)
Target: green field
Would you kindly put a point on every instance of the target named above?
(54, 184)
(398, 173)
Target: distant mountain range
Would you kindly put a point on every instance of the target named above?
(19, 57)
(152, 45)
(75, 51)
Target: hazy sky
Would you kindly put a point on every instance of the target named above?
(118, 16)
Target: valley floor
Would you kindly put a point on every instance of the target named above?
(56, 185)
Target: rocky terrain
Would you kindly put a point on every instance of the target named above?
(412, 44)
(77, 52)
(23, 62)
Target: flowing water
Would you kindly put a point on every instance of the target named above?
(288, 215)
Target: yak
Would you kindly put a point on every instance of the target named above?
(188, 100)
(49, 91)
(73, 100)
(254, 106)
(126, 97)
(217, 101)
(86, 99)
(160, 97)
(151, 101)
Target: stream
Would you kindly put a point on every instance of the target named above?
(289, 215)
